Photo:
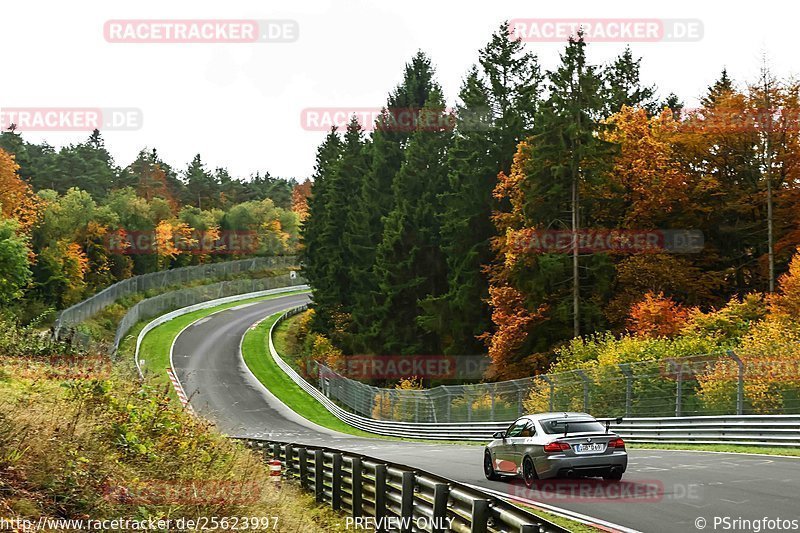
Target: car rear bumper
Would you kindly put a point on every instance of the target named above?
(589, 466)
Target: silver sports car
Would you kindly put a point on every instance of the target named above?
(551, 445)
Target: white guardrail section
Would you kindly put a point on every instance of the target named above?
(204, 305)
(752, 430)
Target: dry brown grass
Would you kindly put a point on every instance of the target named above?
(108, 448)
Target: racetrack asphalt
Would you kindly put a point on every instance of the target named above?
(663, 490)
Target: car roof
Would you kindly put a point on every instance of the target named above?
(562, 415)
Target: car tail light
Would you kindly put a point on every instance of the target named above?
(617, 443)
(555, 447)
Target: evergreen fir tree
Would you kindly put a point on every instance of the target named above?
(623, 85)
(376, 198)
(315, 248)
(498, 105)
(719, 90)
(565, 154)
(410, 265)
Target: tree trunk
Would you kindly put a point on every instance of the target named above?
(576, 323)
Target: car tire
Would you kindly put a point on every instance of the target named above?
(488, 468)
(529, 475)
(614, 476)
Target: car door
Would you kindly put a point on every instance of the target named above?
(519, 442)
(504, 455)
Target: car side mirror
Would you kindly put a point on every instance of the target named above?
(618, 420)
(499, 435)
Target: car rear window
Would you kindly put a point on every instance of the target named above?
(556, 425)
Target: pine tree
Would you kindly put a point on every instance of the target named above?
(674, 104)
(328, 260)
(410, 265)
(513, 78)
(497, 109)
(315, 248)
(375, 198)
(566, 153)
(201, 186)
(623, 85)
(721, 89)
(346, 182)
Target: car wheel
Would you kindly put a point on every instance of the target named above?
(613, 476)
(529, 475)
(488, 468)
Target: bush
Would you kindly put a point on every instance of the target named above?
(108, 448)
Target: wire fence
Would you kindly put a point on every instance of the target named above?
(715, 384)
(169, 301)
(162, 280)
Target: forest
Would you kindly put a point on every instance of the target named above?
(74, 222)
(427, 240)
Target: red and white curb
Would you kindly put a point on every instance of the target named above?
(179, 391)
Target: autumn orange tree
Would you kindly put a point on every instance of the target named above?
(657, 316)
(17, 200)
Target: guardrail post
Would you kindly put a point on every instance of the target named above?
(289, 462)
(739, 382)
(626, 369)
(549, 381)
(336, 479)
(302, 454)
(480, 516)
(585, 380)
(380, 495)
(276, 450)
(679, 390)
(407, 501)
(469, 404)
(319, 476)
(441, 492)
(357, 487)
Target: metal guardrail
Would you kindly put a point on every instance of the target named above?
(407, 498)
(168, 301)
(166, 278)
(293, 286)
(748, 430)
(753, 430)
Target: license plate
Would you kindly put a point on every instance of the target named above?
(589, 448)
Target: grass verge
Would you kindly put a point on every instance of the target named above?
(258, 359)
(157, 343)
(572, 525)
(255, 351)
(727, 448)
(103, 325)
(107, 448)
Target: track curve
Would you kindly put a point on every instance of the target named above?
(662, 491)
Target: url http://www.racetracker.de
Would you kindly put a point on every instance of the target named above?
(752, 525)
(200, 523)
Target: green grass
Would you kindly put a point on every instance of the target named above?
(103, 325)
(279, 336)
(259, 361)
(156, 344)
(730, 448)
(255, 351)
(256, 354)
(572, 525)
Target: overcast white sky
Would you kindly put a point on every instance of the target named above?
(239, 105)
